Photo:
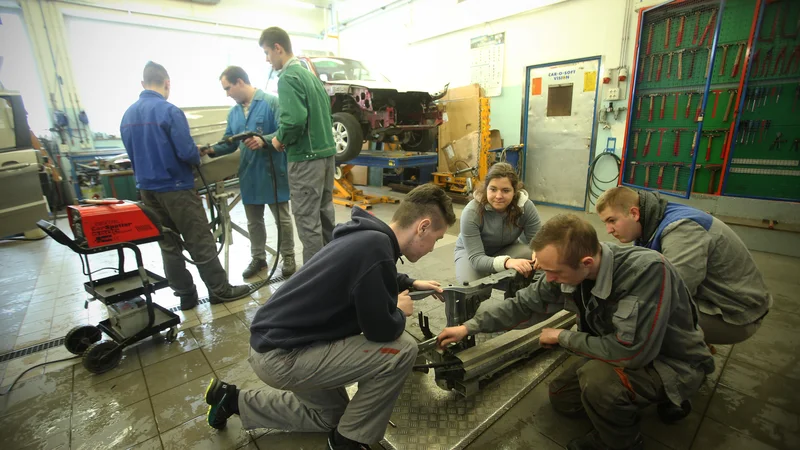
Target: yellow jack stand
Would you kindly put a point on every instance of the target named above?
(344, 193)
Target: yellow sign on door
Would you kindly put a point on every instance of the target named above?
(589, 81)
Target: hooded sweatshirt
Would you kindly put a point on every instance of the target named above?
(710, 257)
(348, 288)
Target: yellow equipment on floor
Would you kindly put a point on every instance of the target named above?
(344, 193)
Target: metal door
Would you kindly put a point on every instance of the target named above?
(558, 130)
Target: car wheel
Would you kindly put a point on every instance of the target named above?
(347, 135)
(419, 141)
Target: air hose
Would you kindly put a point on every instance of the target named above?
(230, 140)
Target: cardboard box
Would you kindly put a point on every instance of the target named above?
(462, 113)
(360, 175)
(461, 153)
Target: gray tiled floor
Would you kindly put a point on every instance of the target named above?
(153, 399)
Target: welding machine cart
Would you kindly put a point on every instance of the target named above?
(128, 298)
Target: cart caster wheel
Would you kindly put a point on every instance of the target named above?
(80, 338)
(102, 357)
(172, 334)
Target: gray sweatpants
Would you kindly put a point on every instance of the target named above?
(465, 272)
(611, 396)
(717, 331)
(311, 193)
(182, 212)
(306, 387)
(258, 229)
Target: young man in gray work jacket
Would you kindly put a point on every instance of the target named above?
(306, 134)
(637, 330)
(713, 262)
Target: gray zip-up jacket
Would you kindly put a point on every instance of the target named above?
(639, 312)
(480, 241)
(715, 264)
(718, 270)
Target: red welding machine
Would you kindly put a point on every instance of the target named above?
(110, 221)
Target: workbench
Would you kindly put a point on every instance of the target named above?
(344, 193)
(394, 159)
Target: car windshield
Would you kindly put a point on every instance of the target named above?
(335, 69)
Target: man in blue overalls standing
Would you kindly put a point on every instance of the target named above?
(257, 111)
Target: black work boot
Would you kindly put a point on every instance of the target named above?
(288, 266)
(229, 294)
(223, 402)
(255, 266)
(188, 301)
(670, 413)
(338, 442)
(592, 441)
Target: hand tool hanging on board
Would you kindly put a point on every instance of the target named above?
(713, 168)
(694, 144)
(639, 107)
(716, 101)
(689, 103)
(677, 167)
(737, 61)
(661, 131)
(694, 179)
(699, 110)
(676, 149)
(669, 64)
(708, 27)
(635, 142)
(647, 143)
(795, 145)
(632, 176)
(675, 106)
(731, 93)
(691, 64)
(776, 144)
(708, 62)
(724, 58)
(779, 61)
(765, 124)
(663, 102)
(710, 137)
(680, 63)
(647, 167)
(649, 40)
(660, 65)
(679, 39)
(744, 125)
(650, 114)
(666, 37)
(794, 59)
(642, 66)
(767, 62)
(754, 68)
(774, 26)
(696, 27)
(660, 179)
(652, 66)
(778, 95)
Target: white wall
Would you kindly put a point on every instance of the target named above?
(566, 30)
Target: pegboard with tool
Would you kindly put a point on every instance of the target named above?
(688, 94)
(765, 151)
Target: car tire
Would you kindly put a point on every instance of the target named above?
(420, 141)
(347, 135)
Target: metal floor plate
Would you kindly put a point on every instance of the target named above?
(430, 418)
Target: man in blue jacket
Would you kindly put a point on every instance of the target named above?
(340, 319)
(259, 162)
(156, 136)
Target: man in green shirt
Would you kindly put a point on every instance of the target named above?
(305, 133)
